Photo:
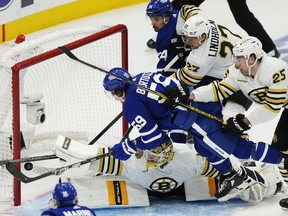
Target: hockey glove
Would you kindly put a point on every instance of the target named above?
(179, 47)
(175, 95)
(124, 150)
(235, 125)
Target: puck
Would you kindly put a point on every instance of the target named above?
(28, 166)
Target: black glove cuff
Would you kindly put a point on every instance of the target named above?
(239, 119)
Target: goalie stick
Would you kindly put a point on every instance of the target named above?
(58, 171)
(192, 108)
(53, 156)
(40, 170)
(29, 159)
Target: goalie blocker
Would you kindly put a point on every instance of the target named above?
(195, 187)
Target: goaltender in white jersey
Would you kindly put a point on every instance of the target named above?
(164, 169)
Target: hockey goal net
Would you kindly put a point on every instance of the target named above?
(44, 93)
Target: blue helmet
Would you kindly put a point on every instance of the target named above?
(65, 194)
(111, 83)
(159, 7)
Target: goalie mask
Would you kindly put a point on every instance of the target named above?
(65, 194)
(159, 157)
(115, 85)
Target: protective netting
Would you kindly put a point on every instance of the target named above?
(74, 102)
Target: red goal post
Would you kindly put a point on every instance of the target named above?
(44, 93)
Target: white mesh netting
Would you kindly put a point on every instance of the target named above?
(75, 103)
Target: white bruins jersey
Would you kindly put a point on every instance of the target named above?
(268, 88)
(212, 58)
(185, 13)
(184, 166)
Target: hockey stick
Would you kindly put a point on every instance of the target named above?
(58, 171)
(192, 108)
(106, 128)
(29, 159)
(53, 156)
(169, 65)
(40, 170)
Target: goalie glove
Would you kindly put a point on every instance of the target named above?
(124, 150)
(175, 95)
(235, 125)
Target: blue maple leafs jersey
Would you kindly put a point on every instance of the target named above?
(159, 124)
(164, 47)
(154, 121)
(69, 210)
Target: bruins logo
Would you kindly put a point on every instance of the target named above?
(163, 185)
(258, 95)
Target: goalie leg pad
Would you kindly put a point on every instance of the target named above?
(276, 183)
(252, 189)
(254, 194)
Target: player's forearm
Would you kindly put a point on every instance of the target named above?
(204, 94)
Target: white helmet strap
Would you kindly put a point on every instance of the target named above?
(250, 66)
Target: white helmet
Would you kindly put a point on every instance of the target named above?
(195, 26)
(247, 46)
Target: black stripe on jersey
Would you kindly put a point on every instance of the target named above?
(109, 165)
(209, 170)
(275, 99)
(277, 95)
(220, 27)
(187, 78)
(225, 89)
(119, 167)
(271, 108)
(189, 10)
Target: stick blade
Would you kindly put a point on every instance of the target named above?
(16, 173)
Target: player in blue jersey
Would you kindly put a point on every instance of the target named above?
(65, 201)
(160, 123)
(163, 20)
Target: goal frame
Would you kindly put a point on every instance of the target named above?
(120, 28)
